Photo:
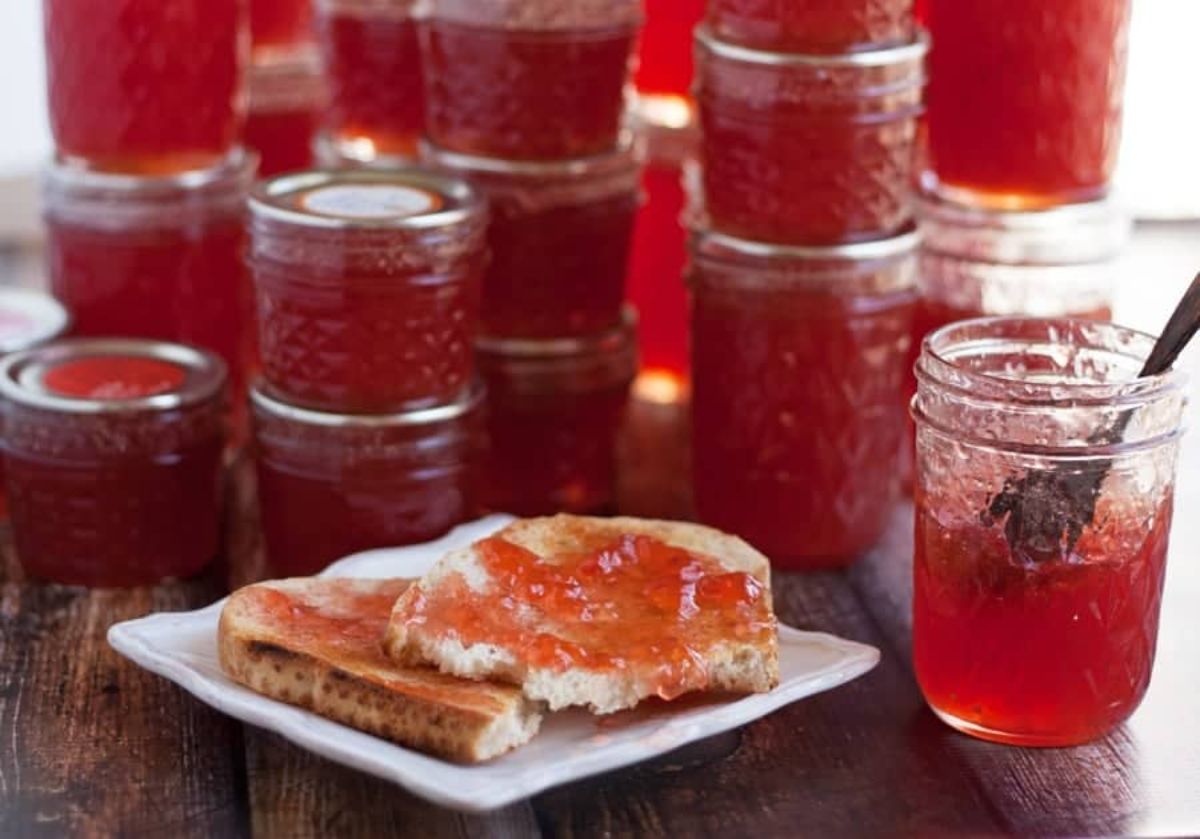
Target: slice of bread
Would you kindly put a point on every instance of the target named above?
(316, 643)
(478, 623)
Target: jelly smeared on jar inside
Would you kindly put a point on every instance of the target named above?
(632, 603)
(114, 377)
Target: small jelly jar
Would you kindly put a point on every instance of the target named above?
(798, 366)
(330, 485)
(813, 26)
(808, 149)
(278, 27)
(287, 99)
(554, 412)
(1045, 484)
(112, 449)
(528, 79)
(155, 257)
(1044, 131)
(145, 86)
(559, 236)
(368, 287)
(373, 65)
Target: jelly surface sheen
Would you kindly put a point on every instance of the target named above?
(114, 377)
(636, 603)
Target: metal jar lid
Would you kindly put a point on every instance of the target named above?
(29, 318)
(268, 404)
(24, 376)
(912, 53)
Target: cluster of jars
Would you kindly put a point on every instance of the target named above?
(803, 270)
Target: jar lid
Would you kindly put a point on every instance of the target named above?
(400, 9)
(1073, 234)
(267, 403)
(29, 318)
(111, 375)
(534, 15)
(402, 199)
(287, 81)
(710, 243)
(912, 53)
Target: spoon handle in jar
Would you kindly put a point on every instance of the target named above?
(1179, 331)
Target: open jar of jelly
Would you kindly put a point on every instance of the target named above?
(330, 485)
(1044, 496)
(368, 287)
(155, 257)
(554, 411)
(527, 79)
(559, 236)
(1044, 131)
(811, 149)
(279, 27)
(287, 98)
(145, 87)
(112, 449)
(373, 66)
(813, 26)
(798, 367)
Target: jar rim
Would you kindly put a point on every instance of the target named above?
(624, 159)
(266, 401)
(711, 242)
(613, 340)
(235, 171)
(913, 50)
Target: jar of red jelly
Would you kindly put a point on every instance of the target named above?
(528, 79)
(554, 411)
(798, 367)
(801, 148)
(559, 237)
(813, 26)
(278, 27)
(155, 257)
(1046, 129)
(287, 99)
(145, 87)
(112, 449)
(373, 65)
(368, 287)
(1045, 484)
(330, 485)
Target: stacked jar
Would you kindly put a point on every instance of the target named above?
(367, 415)
(527, 101)
(802, 270)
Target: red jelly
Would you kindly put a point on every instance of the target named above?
(155, 257)
(527, 80)
(1025, 99)
(112, 450)
(798, 361)
(808, 149)
(665, 55)
(150, 86)
(368, 287)
(373, 64)
(559, 237)
(814, 26)
(279, 26)
(554, 411)
(333, 484)
(1030, 628)
(287, 98)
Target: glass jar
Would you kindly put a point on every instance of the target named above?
(373, 66)
(112, 451)
(815, 26)
(559, 237)
(155, 257)
(1045, 483)
(368, 287)
(287, 98)
(798, 361)
(528, 79)
(665, 55)
(554, 412)
(277, 27)
(330, 485)
(145, 87)
(810, 149)
(1046, 130)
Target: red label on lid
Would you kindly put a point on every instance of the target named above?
(114, 377)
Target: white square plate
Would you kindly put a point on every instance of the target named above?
(571, 745)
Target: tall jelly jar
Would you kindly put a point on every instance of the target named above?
(1044, 496)
(528, 79)
(368, 287)
(812, 149)
(798, 365)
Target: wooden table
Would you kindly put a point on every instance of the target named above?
(90, 745)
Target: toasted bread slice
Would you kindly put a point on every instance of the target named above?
(316, 643)
(596, 612)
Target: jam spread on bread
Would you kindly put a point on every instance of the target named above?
(344, 619)
(624, 602)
